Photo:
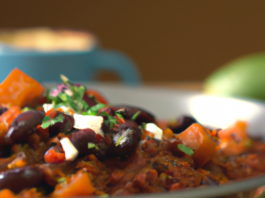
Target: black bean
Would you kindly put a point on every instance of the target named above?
(21, 178)
(24, 125)
(128, 112)
(2, 110)
(183, 123)
(65, 126)
(81, 138)
(126, 139)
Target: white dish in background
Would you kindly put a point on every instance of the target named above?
(212, 111)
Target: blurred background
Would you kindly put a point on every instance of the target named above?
(170, 40)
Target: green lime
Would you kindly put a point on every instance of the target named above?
(244, 77)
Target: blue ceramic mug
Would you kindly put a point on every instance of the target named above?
(76, 65)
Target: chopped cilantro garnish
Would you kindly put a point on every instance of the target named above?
(47, 93)
(185, 149)
(60, 180)
(26, 109)
(78, 91)
(48, 122)
(111, 121)
(85, 105)
(91, 145)
(120, 140)
(142, 127)
(71, 97)
(117, 113)
(134, 116)
(46, 118)
(94, 110)
(97, 107)
(63, 96)
(124, 137)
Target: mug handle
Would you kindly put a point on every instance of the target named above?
(118, 63)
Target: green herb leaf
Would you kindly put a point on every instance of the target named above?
(94, 113)
(124, 137)
(117, 113)
(85, 105)
(119, 140)
(111, 121)
(74, 100)
(91, 145)
(27, 109)
(134, 116)
(63, 96)
(60, 180)
(47, 122)
(47, 93)
(142, 127)
(97, 107)
(185, 149)
(78, 92)
(46, 118)
(72, 97)
(59, 118)
(94, 110)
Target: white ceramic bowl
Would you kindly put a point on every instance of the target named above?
(212, 111)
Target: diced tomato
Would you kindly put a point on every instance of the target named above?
(147, 133)
(69, 110)
(120, 120)
(52, 157)
(43, 133)
(98, 96)
(51, 113)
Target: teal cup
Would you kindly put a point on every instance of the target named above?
(78, 66)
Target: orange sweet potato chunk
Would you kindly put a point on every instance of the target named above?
(20, 89)
(6, 120)
(198, 139)
(6, 193)
(236, 131)
(79, 185)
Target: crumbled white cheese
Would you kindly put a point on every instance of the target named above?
(151, 127)
(70, 151)
(47, 107)
(88, 121)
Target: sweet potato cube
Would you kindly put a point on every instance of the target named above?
(20, 89)
(198, 139)
(79, 185)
